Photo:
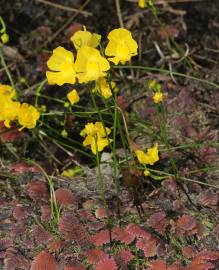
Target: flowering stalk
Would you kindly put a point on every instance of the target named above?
(100, 177)
(164, 136)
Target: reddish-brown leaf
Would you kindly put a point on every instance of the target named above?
(76, 267)
(101, 213)
(71, 229)
(18, 229)
(148, 246)
(45, 212)
(95, 255)
(158, 222)
(189, 252)
(86, 215)
(207, 154)
(216, 230)
(175, 266)
(38, 191)
(170, 184)
(40, 235)
(209, 199)
(5, 243)
(168, 31)
(123, 236)
(137, 231)
(20, 212)
(56, 245)
(106, 264)
(186, 223)
(157, 265)
(102, 237)
(125, 255)
(65, 197)
(13, 260)
(44, 260)
(12, 135)
(22, 167)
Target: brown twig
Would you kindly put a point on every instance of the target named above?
(64, 7)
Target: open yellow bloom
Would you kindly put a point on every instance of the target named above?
(7, 90)
(95, 136)
(85, 38)
(104, 88)
(150, 157)
(121, 46)
(9, 110)
(62, 65)
(90, 65)
(158, 97)
(28, 116)
(142, 3)
(73, 97)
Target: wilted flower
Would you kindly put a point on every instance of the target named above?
(104, 88)
(158, 97)
(96, 136)
(121, 46)
(73, 97)
(85, 38)
(62, 65)
(28, 116)
(90, 65)
(150, 157)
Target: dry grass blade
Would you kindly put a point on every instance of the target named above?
(64, 7)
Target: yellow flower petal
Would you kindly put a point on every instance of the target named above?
(99, 146)
(28, 116)
(85, 38)
(142, 3)
(158, 97)
(142, 157)
(7, 90)
(90, 65)
(121, 46)
(153, 154)
(62, 68)
(73, 97)
(88, 140)
(60, 55)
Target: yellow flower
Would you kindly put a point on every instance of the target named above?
(28, 116)
(121, 46)
(90, 65)
(158, 97)
(96, 136)
(85, 38)
(62, 65)
(104, 88)
(73, 97)
(150, 157)
(8, 110)
(142, 3)
(7, 90)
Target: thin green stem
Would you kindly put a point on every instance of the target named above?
(6, 69)
(165, 71)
